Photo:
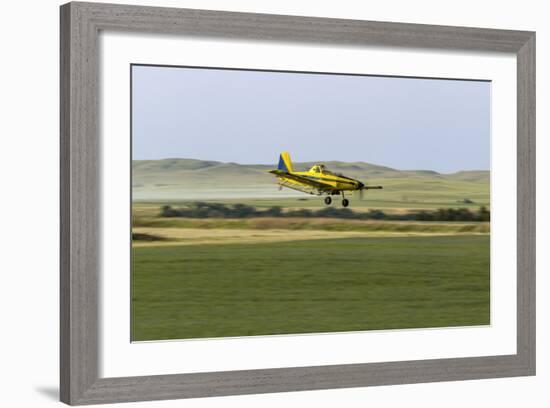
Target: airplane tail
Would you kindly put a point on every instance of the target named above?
(284, 163)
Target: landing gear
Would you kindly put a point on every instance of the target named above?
(345, 201)
(328, 200)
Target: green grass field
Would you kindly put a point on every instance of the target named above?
(331, 285)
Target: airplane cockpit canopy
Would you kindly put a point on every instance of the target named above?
(321, 168)
(318, 168)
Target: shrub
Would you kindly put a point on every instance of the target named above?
(216, 210)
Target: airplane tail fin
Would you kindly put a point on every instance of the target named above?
(284, 163)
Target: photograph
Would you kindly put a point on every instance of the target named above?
(271, 202)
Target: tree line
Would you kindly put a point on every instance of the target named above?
(217, 210)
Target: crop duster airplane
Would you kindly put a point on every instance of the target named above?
(317, 180)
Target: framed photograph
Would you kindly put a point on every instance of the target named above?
(259, 203)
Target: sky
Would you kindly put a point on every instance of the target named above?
(249, 117)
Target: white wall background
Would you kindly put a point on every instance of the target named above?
(29, 204)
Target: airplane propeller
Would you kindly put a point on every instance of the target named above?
(363, 187)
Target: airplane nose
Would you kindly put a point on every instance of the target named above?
(360, 185)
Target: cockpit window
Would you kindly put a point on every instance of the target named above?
(319, 168)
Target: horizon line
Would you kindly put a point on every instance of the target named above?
(309, 161)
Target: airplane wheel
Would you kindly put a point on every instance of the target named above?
(345, 202)
(328, 200)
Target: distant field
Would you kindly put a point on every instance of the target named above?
(309, 286)
(164, 231)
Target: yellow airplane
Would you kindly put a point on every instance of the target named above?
(317, 180)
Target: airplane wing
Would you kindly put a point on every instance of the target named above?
(301, 183)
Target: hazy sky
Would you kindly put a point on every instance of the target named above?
(251, 116)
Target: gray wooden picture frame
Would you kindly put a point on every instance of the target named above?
(80, 191)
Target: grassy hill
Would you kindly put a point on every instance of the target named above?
(190, 179)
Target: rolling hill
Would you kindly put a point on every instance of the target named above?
(185, 179)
